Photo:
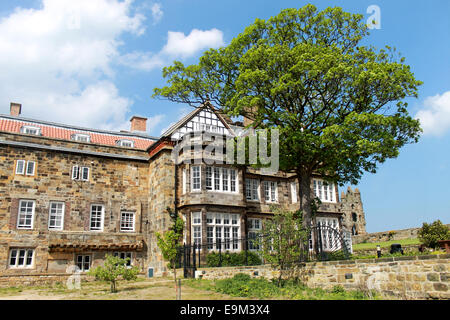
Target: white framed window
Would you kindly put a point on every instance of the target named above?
(97, 217)
(233, 179)
(20, 167)
(127, 221)
(80, 173)
(196, 178)
(197, 228)
(254, 227)
(125, 143)
(324, 190)
(220, 179)
(83, 262)
(251, 189)
(294, 192)
(124, 255)
(222, 231)
(270, 191)
(184, 180)
(25, 167)
(81, 137)
(56, 216)
(31, 165)
(25, 215)
(31, 130)
(21, 258)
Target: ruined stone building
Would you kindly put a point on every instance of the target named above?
(70, 195)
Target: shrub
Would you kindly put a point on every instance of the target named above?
(114, 268)
(230, 259)
(338, 289)
(430, 234)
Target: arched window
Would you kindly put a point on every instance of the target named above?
(354, 217)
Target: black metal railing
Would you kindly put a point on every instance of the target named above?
(323, 243)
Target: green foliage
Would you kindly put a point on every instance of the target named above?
(113, 268)
(232, 259)
(430, 234)
(284, 241)
(242, 285)
(337, 104)
(337, 255)
(169, 242)
(338, 289)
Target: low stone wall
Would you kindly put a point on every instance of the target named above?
(408, 277)
(37, 279)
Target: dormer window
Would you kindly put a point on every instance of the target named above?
(125, 143)
(31, 130)
(81, 137)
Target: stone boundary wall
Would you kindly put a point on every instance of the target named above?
(38, 279)
(387, 235)
(407, 277)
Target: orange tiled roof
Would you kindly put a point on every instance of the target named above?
(65, 133)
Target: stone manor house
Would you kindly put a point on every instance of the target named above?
(70, 195)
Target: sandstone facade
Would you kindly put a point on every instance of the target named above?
(142, 184)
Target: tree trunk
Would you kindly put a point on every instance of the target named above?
(305, 194)
(113, 286)
(304, 180)
(175, 278)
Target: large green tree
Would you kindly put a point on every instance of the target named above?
(338, 104)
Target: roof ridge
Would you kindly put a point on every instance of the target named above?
(67, 126)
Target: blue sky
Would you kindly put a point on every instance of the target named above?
(95, 63)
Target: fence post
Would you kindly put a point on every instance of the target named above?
(184, 260)
(220, 253)
(179, 290)
(246, 251)
(320, 240)
(193, 256)
(199, 254)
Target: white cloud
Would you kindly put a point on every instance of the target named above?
(59, 60)
(184, 46)
(55, 60)
(157, 13)
(178, 46)
(145, 61)
(435, 117)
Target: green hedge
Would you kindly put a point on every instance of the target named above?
(230, 259)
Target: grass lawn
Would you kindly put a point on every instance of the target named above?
(404, 242)
(258, 288)
(141, 289)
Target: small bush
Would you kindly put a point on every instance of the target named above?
(430, 234)
(230, 259)
(338, 289)
(242, 285)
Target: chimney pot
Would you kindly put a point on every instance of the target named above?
(15, 109)
(138, 124)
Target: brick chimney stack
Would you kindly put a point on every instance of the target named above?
(15, 109)
(138, 124)
(250, 114)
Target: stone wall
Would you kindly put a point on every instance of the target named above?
(401, 234)
(118, 185)
(161, 192)
(409, 277)
(353, 218)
